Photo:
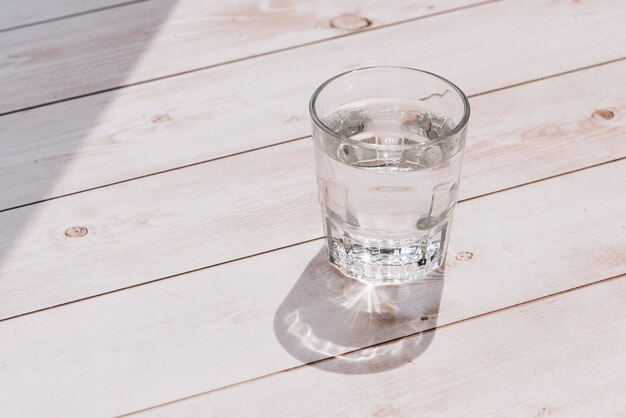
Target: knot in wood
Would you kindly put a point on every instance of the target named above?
(350, 22)
(76, 232)
(603, 114)
(464, 256)
(160, 118)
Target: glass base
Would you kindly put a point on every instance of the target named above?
(386, 262)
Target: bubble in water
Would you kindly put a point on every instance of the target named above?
(347, 124)
(438, 125)
(333, 122)
(431, 156)
(346, 153)
(413, 127)
(423, 121)
(412, 156)
(353, 129)
(359, 156)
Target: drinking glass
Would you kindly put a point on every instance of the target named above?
(388, 148)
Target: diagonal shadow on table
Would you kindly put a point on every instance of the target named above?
(41, 151)
(363, 328)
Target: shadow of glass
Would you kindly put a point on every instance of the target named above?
(365, 329)
(33, 153)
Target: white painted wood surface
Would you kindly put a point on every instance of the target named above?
(156, 38)
(224, 325)
(560, 356)
(207, 214)
(28, 12)
(238, 335)
(224, 110)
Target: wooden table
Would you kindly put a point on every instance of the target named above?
(161, 251)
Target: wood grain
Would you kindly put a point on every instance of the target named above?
(211, 213)
(484, 335)
(230, 208)
(557, 357)
(27, 12)
(144, 346)
(157, 38)
(220, 111)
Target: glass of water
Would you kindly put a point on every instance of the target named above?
(388, 148)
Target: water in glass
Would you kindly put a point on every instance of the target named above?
(389, 189)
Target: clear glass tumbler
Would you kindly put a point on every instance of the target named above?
(388, 148)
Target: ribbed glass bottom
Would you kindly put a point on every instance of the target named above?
(384, 261)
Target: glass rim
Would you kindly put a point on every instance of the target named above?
(457, 128)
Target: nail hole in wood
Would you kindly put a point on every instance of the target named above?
(424, 318)
(603, 114)
(464, 256)
(160, 118)
(350, 22)
(76, 232)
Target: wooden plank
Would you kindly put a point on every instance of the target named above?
(207, 214)
(217, 112)
(29, 12)
(561, 356)
(147, 345)
(152, 39)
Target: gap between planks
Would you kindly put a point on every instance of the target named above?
(145, 318)
(141, 146)
(177, 275)
(429, 330)
(587, 67)
(125, 224)
(252, 56)
(71, 15)
(568, 122)
(507, 356)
